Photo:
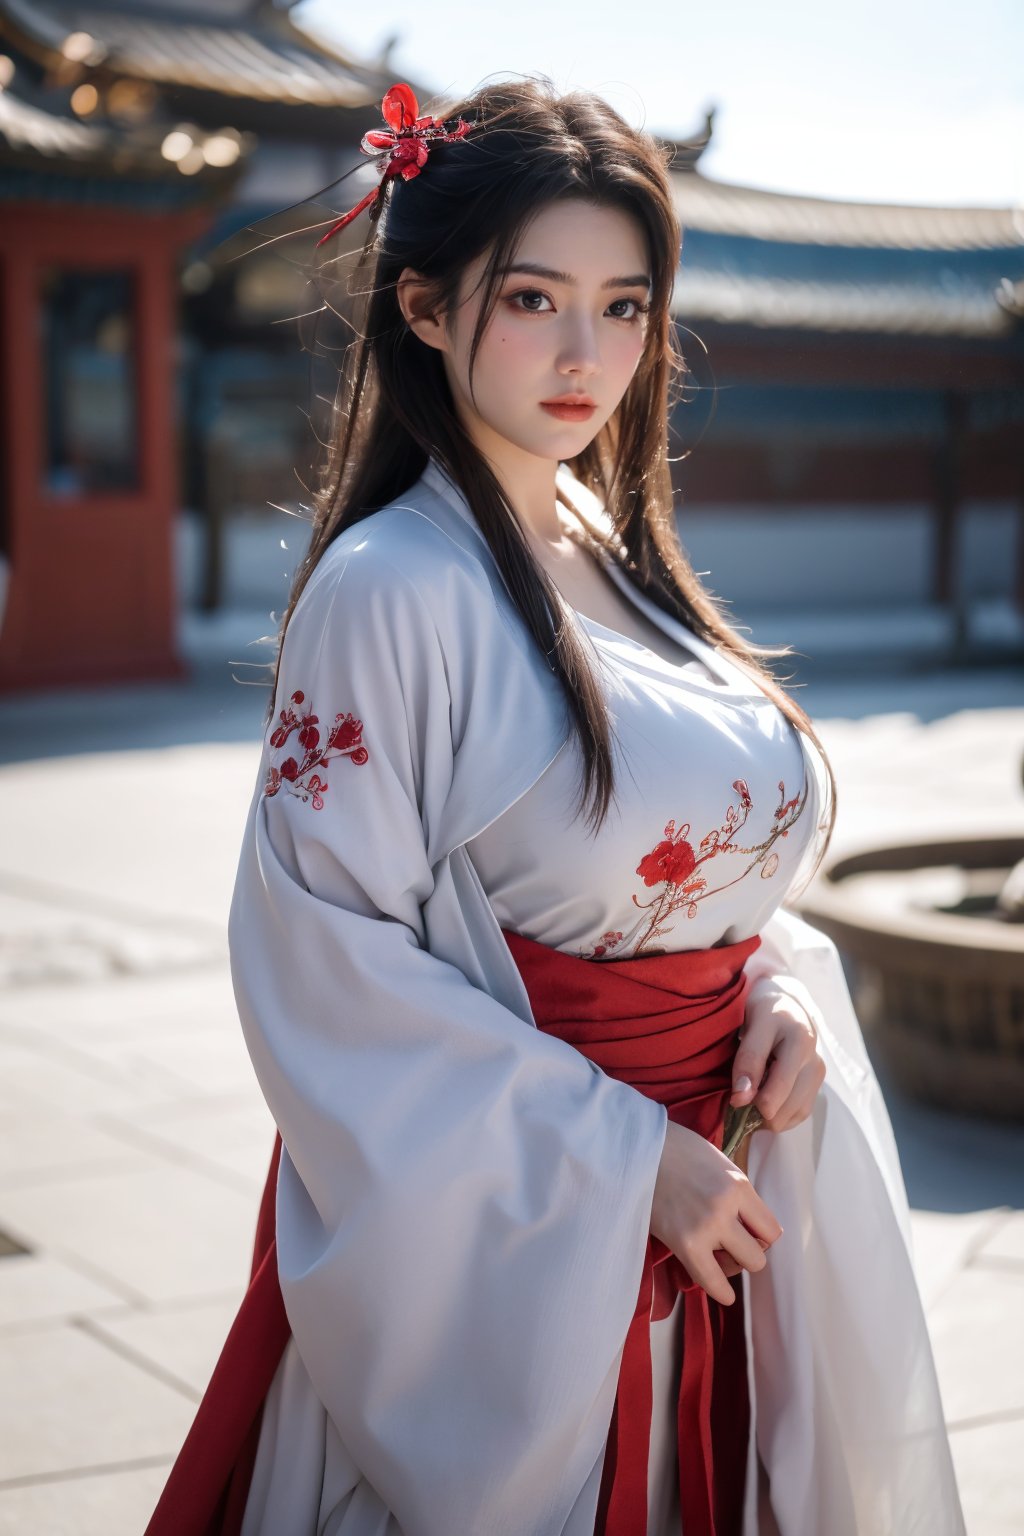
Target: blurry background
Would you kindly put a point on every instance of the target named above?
(850, 480)
(849, 301)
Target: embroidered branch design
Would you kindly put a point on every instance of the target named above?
(296, 774)
(679, 874)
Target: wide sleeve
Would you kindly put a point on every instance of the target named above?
(849, 1414)
(464, 1201)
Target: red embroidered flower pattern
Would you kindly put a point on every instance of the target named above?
(345, 739)
(674, 870)
(672, 862)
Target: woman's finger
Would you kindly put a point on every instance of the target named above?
(757, 1217)
(800, 1102)
(757, 1038)
(788, 1060)
(773, 1023)
(704, 1267)
(744, 1247)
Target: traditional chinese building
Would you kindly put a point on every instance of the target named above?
(123, 131)
(857, 393)
(856, 385)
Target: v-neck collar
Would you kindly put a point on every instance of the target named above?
(731, 680)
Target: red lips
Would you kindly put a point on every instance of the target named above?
(570, 407)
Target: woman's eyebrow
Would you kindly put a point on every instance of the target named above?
(533, 269)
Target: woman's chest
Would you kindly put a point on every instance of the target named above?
(708, 822)
(586, 588)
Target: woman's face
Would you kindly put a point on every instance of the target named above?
(572, 325)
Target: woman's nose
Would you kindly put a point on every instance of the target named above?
(578, 352)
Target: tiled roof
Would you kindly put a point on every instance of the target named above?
(720, 207)
(24, 127)
(736, 298)
(36, 140)
(268, 60)
(752, 257)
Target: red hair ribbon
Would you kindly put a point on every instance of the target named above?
(408, 140)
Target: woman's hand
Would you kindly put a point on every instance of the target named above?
(779, 1035)
(704, 1204)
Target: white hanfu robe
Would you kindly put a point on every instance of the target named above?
(714, 790)
(463, 1202)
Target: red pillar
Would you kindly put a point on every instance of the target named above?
(91, 580)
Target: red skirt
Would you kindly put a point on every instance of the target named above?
(667, 1024)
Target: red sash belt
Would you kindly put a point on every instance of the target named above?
(666, 1024)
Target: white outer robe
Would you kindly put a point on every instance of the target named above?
(464, 1201)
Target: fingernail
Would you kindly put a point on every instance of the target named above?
(742, 1085)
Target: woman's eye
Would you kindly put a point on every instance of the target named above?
(639, 310)
(529, 294)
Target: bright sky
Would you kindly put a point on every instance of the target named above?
(898, 101)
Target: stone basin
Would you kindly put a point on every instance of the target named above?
(936, 972)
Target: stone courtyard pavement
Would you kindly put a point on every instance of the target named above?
(135, 1140)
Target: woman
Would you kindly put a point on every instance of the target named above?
(508, 945)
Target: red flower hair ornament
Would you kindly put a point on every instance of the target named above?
(408, 139)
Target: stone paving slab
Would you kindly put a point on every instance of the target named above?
(134, 1140)
(38, 1289)
(100, 810)
(38, 1145)
(988, 1459)
(37, 1073)
(198, 1060)
(179, 1341)
(1007, 1242)
(92, 1503)
(230, 1136)
(944, 1243)
(977, 1330)
(121, 1004)
(82, 1405)
(159, 1231)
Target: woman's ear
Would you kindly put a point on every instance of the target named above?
(414, 300)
